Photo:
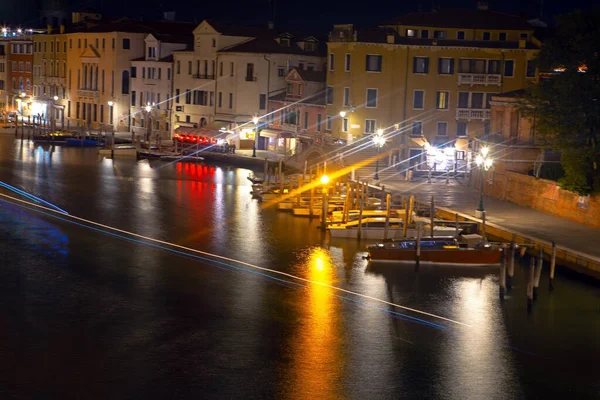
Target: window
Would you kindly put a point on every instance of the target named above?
(463, 100)
(306, 120)
(230, 100)
(125, 83)
(425, 34)
(494, 67)
(502, 36)
(345, 125)
(477, 100)
(373, 63)
(262, 101)
(411, 33)
(530, 68)
(281, 71)
(331, 61)
(421, 65)
(22, 67)
(189, 67)
(439, 34)
(318, 122)
(346, 96)
(214, 43)
(159, 72)
(250, 72)
(417, 128)
(103, 43)
(418, 100)
(487, 35)
(509, 68)
(329, 95)
(133, 97)
(14, 68)
(524, 36)
(178, 67)
(70, 43)
(28, 66)
(221, 68)
(460, 35)
(151, 52)
(177, 96)
(220, 99)
(328, 122)
(442, 100)
(168, 74)
(347, 60)
(446, 66)
(77, 110)
(370, 126)
(467, 65)
(113, 43)
(188, 119)
(126, 44)
(371, 98)
(69, 109)
(134, 72)
(442, 128)
(461, 128)
(28, 84)
(289, 88)
(188, 96)
(96, 42)
(85, 43)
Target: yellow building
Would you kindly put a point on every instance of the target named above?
(428, 76)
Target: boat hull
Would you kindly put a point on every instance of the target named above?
(483, 256)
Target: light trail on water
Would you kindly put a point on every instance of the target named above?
(215, 258)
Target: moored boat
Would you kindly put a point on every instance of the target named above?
(435, 250)
(374, 228)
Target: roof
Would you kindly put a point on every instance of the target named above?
(170, 28)
(379, 35)
(462, 18)
(271, 46)
(513, 93)
(316, 100)
(312, 76)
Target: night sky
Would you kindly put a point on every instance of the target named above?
(317, 15)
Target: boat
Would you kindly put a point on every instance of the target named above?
(255, 179)
(437, 250)
(338, 216)
(374, 228)
(73, 142)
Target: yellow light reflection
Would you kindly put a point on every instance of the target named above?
(317, 346)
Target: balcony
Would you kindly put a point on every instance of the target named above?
(250, 79)
(203, 76)
(473, 113)
(88, 94)
(480, 79)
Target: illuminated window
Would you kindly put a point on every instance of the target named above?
(442, 100)
(411, 33)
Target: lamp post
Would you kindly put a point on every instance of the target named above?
(148, 110)
(52, 115)
(256, 133)
(110, 113)
(378, 141)
(484, 162)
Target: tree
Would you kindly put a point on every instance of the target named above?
(566, 106)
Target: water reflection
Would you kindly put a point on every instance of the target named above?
(316, 353)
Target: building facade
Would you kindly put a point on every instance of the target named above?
(426, 79)
(228, 77)
(296, 117)
(152, 86)
(19, 64)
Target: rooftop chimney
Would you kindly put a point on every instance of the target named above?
(390, 38)
(482, 5)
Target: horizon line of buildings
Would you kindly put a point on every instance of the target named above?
(429, 75)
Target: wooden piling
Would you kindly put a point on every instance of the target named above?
(312, 200)
(406, 219)
(503, 272)
(281, 179)
(456, 226)
(552, 265)
(280, 166)
(360, 213)
(530, 284)
(305, 167)
(300, 183)
(324, 200)
(418, 252)
(347, 203)
(538, 273)
(265, 169)
(431, 215)
(388, 204)
(511, 265)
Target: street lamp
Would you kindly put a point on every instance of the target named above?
(148, 109)
(342, 114)
(256, 133)
(378, 141)
(110, 112)
(484, 162)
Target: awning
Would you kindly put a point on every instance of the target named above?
(275, 134)
(184, 130)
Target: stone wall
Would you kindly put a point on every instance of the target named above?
(540, 194)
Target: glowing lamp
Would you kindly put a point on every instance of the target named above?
(255, 120)
(110, 103)
(324, 180)
(55, 98)
(485, 151)
(342, 114)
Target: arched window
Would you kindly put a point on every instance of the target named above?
(28, 83)
(125, 84)
(21, 83)
(14, 86)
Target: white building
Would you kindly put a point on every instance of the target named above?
(229, 75)
(152, 86)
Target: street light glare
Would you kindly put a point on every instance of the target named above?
(488, 163)
(379, 132)
(479, 160)
(324, 180)
(342, 114)
(110, 103)
(255, 120)
(485, 151)
(55, 98)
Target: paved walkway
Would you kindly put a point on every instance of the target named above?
(459, 196)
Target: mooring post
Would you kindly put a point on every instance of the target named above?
(312, 200)
(552, 265)
(432, 214)
(388, 204)
(324, 210)
(265, 169)
(511, 265)
(530, 284)
(456, 226)
(503, 272)
(360, 213)
(418, 253)
(538, 273)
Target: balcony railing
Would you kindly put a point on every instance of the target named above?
(203, 76)
(472, 113)
(480, 79)
(87, 93)
(250, 79)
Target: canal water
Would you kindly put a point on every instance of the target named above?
(87, 314)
